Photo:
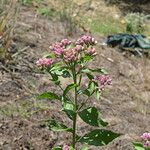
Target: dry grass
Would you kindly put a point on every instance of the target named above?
(7, 23)
(94, 16)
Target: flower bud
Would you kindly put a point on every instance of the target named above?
(58, 49)
(91, 51)
(102, 81)
(65, 42)
(70, 55)
(87, 40)
(66, 147)
(44, 62)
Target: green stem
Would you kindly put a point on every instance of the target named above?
(80, 79)
(75, 114)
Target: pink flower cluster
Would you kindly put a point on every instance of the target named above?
(91, 51)
(66, 147)
(70, 55)
(102, 81)
(59, 47)
(75, 50)
(146, 139)
(79, 48)
(65, 42)
(44, 62)
(85, 39)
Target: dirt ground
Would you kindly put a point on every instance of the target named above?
(125, 105)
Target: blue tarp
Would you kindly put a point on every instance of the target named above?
(128, 41)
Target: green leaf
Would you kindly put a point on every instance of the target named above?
(86, 71)
(86, 92)
(68, 88)
(90, 76)
(71, 148)
(98, 94)
(66, 74)
(91, 87)
(56, 66)
(80, 91)
(84, 148)
(68, 108)
(138, 146)
(56, 148)
(55, 126)
(92, 117)
(57, 72)
(85, 59)
(99, 70)
(55, 79)
(50, 55)
(57, 69)
(99, 137)
(49, 96)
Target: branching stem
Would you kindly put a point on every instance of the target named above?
(76, 107)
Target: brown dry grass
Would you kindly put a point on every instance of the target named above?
(7, 24)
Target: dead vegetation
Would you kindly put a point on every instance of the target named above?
(8, 17)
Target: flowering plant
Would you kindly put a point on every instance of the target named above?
(70, 60)
(145, 145)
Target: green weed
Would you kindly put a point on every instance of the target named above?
(136, 22)
(47, 12)
(105, 27)
(24, 109)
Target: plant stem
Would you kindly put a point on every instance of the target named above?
(75, 114)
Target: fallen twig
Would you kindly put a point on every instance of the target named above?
(109, 59)
(20, 51)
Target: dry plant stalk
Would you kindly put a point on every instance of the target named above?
(8, 13)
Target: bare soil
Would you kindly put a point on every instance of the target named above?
(125, 105)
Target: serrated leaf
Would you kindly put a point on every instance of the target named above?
(68, 88)
(99, 137)
(49, 96)
(68, 108)
(56, 126)
(138, 146)
(56, 148)
(92, 117)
